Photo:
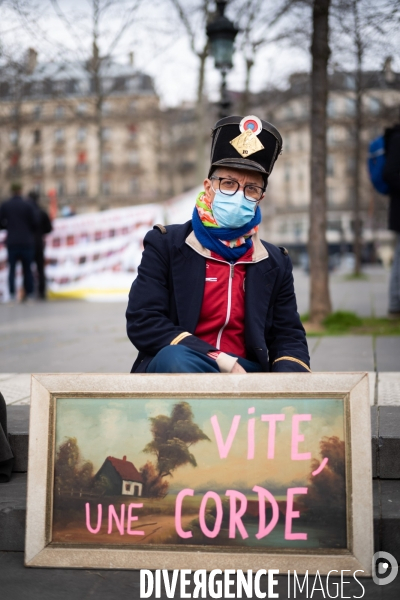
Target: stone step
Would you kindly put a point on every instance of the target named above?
(386, 515)
(18, 435)
(13, 513)
(385, 429)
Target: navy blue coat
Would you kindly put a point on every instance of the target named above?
(19, 218)
(165, 300)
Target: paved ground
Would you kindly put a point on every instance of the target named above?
(90, 337)
(366, 297)
(85, 337)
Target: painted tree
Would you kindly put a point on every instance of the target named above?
(71, 470)
(320, 302)
(153, 485)
(172, 439)
(327, 490)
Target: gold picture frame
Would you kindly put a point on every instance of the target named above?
(350, 389)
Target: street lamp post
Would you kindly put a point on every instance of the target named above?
(222, 32)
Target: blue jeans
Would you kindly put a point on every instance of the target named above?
(180, 359)
(25, 254)
(394, 288)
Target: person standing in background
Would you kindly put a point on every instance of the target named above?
(44, 226)
(18, 217)
(391, 175)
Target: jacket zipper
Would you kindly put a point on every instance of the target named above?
(228, 310)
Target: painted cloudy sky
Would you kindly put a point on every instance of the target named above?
(119, 427)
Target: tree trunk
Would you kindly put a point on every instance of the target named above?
(320, 303)
(200, 157)
(357, 147)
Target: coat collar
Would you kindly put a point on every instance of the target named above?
(259, 251)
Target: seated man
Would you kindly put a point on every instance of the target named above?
(210, 296)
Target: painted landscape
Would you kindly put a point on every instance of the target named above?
(246, 473)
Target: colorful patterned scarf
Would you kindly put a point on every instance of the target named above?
(230, 244)
(205, 212)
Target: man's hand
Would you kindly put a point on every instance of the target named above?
(237, 368)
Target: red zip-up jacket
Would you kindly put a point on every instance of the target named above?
(221, 321)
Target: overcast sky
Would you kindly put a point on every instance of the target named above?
(157, 39)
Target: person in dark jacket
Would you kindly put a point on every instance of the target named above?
(44, 226)
(18, 217)
(391, 175)
(210, 295)
(6, 454)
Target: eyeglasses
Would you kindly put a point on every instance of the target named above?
(229, 187)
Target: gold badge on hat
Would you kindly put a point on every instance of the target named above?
(247, 142)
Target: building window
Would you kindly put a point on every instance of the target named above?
(59, 87)
(134, 185)
(331, 109)
(14, 136)
(82, 187)
(59, 112)
(106, 133)
(283, 228)
(133, 157)
(37, 112)
(14, 159)
(106, 187)
(37, 136)
(350, 107)
(287, 171)
(60, 188)
(81, 134)
(106, 159)
(37, 187)
(331, 195)
(330, 165)
(350, 165)
(289, 112)
(59, 162)
(37, 162)
(127, 487)
(81, 161)
(106, 108)
(351, 194)
(81, 108)
(374, 106)
(132, 130)
(297, 229)
(59, 135)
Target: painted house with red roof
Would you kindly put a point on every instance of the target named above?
(122, 475)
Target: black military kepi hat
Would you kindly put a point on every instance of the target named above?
(245, 143)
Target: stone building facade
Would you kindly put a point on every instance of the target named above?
(92, 150)
(286, 216)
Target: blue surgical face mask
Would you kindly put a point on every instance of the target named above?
(234, 211)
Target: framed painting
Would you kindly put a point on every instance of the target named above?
(193, 471)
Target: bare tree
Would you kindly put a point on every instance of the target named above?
(194, 17)
(16, 68)
(100, 60)
(260, 24)
(320, 303)
(361, 25)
